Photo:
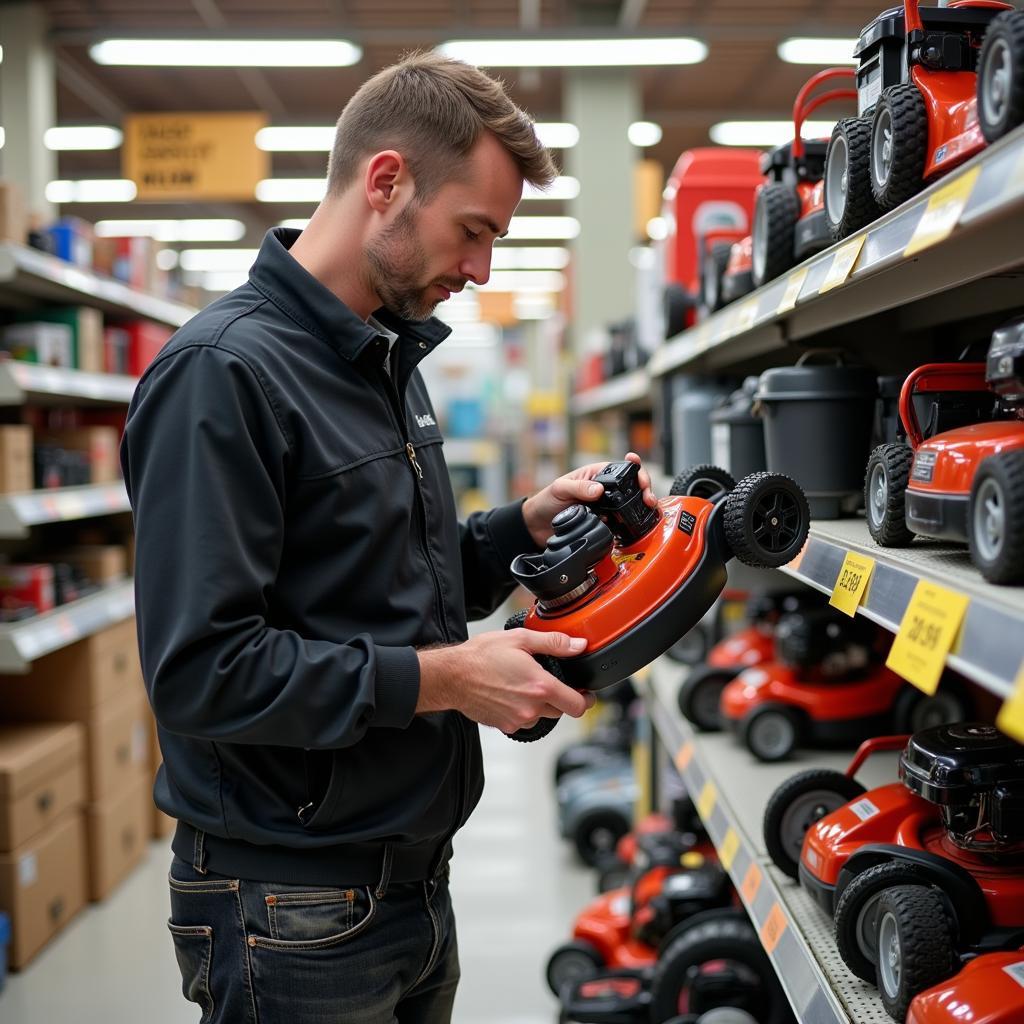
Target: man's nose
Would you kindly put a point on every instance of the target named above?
(477, 268)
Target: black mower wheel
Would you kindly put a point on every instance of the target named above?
(800, 802)
(766, 520)
(1001, 76)
(913, 710)
(678, 304)
(543, 725)
(916, 943)
(771, 732)
(699, 695)
(571, 963)
(885, 494)
(743, 977)
(597, 835)
(849, 202)
(856, 913)
(711, 273)
(691, 648)
(995, 518)
(899, 145)
(726, 1015)
(774, 236)
(702, 482)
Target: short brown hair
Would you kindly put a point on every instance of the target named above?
(432, 110)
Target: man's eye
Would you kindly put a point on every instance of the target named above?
(471, 235)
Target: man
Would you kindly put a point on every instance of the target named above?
(303, 583)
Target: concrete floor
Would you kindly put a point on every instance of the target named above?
(516, 888)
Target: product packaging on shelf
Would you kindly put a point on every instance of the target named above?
(13, 214)
(145, 339)
(38, 342)
(99, 444)
(27, 585)
(86, 324)
(15, 458)
(73, 241)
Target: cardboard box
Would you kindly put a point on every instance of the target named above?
(39, 342)
(102, 563)
(115, 350)
(42, 775)
(68, 684)
(43, 885)
(145, 339)
(13, 214)
(28, 584)
(129, 258)
(117, 743)
(119, 830)
(86, 325)
(99, 443)
(15, 459)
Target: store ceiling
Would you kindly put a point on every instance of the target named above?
(742, 77)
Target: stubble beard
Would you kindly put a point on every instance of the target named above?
(397, 263)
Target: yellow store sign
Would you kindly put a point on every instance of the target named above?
(194, 156)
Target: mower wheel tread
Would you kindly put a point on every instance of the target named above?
(579, 953)
(860, 208)
(782, 801)
(895, 461)
(781, 206)
(712, 272)
(696, 692)
(702, 481)
(741, 529)
(926, 942)
(1006, 470)
(1007, 27)
(910, 145)
(549, 664)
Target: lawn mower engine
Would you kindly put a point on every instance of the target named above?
(833, 645)
(633, 580)
(975, 775)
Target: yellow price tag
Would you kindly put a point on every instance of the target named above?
(746, 315)
(842, 264)
(852, 582)
(1011, 714)
(942, 213)
(929, 627)
(773, 928)
(793, 287)
(706, 802)
(729, 848)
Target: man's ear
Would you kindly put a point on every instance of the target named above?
(387, 180)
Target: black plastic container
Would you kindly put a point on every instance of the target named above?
(737, 435)
(818, 423)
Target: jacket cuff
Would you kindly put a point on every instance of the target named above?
(397, 689)
(508, 532)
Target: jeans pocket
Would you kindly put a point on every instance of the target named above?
(314, 919)
(193, 948)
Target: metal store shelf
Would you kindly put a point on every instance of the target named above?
(631, 390)
(731, 789)
(959, 275)
(20, 511)
(986, 653)
(51, 385)
(21, 643)
(29, 274)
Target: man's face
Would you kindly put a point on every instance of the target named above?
(429, 252)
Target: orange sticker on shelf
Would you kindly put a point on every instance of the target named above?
(773, 929)
(751, 884)
(685, 756)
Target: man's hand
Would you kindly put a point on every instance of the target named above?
(495, 680)
(570, 489)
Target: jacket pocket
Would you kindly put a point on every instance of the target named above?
(193, 949)
(315, 918)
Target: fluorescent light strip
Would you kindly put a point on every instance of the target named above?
(217, 259)
(226, 53)
(208, 229)
(216, 281)
(94, 190)
(543, 227)
(525, 281)
(644, 133)
(569, 53)
(563, 187)
(82, 137)
(765, 133)
(541, 257)
(295, 223)
(826, 52)
(288, 139)
(557, 134)
(291, 190)
(3, 138)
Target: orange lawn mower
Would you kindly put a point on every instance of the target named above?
(965, 480)
(935, 86)
(632, 579)
(789, 214)
(989, 990)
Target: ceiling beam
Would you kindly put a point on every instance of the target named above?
(74, 77)
(631, 13)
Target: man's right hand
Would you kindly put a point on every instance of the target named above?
(495, 680)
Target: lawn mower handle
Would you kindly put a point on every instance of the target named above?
(936, 377)
(803, 107)
(875, 745)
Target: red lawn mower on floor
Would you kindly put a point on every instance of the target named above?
(935, 86)
(919, 874)
(634, 579)
(828, 686)
(989, 990)
(958, 478)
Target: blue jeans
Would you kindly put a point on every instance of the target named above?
(263, 953)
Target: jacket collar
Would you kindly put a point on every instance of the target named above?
(313, 306)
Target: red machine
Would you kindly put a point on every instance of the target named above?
(919, 874)
(636, 580)
(738, 276)
(935, 85)
(708, 203)
(828, 686)
(989, 990)
(958, 478)
(789, 217)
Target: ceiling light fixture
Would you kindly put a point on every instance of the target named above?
(563, 187)
(557, 134)
(543, 228)
(644, 133)
(82, 137)
(571, 53)
(91, 190)
(765, 133)
(289, 139)
(291, 190)
(525, 281)
(826, 52)
(540, 257)
(226, 53)
(217, 259)
(207, 229)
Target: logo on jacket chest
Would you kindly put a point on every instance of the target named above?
(425, 420)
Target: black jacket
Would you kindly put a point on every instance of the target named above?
(296, 540)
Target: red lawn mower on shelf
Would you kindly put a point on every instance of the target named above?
(713, 962)
(701, 690)
(828, 686)
(989, 990)
(789, 217)
(919, 874)
(958, 478)
(935, 86)
(634, 579)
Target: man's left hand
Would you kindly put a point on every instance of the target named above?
(571, 489)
